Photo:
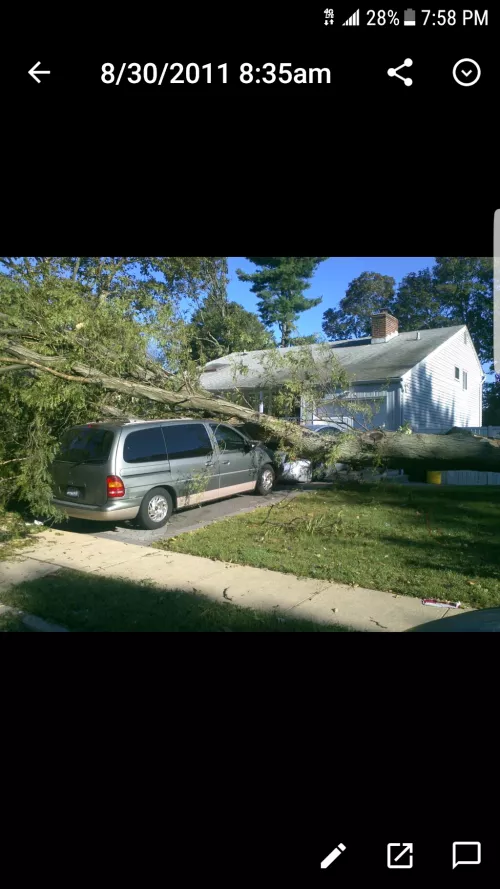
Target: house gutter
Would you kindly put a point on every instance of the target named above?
(381, 380)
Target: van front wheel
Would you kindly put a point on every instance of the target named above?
(265, 480)
(156, 509)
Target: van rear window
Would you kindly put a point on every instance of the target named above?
(83, 443)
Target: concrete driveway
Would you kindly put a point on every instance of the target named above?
(186, 520)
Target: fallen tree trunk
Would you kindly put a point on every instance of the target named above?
(457, 450)
(394, 450)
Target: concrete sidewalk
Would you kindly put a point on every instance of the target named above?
(258, 588)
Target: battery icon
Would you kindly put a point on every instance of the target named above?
(409, 16)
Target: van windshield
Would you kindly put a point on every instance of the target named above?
(83, 444)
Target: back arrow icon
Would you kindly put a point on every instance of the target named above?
(32, 72)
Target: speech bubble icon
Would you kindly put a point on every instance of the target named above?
(464, 854)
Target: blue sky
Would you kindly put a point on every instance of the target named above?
(330, 282)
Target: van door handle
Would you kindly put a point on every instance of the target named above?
(226, 462)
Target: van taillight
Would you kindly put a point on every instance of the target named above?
(115, 486)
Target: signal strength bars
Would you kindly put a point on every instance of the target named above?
(353, 20)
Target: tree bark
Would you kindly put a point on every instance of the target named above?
(457, 450)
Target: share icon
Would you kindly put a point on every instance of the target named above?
(392, 72)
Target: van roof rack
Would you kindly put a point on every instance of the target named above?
(138, 420)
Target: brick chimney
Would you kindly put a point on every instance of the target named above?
(384, 327)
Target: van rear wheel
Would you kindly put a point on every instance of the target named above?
(156, 509)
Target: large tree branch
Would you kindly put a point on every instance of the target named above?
(19, 365)
(27, 355)
(458, 450)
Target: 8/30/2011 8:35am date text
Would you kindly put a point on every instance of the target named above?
(192, 73)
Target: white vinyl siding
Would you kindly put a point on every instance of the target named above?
(432, 400)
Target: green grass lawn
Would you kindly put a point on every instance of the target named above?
(88, 603)
(440, 542)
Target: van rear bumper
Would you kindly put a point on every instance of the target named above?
(115, 512)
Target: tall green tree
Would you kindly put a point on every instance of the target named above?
(370, 292)
(417, 303)
(456, 290)
(220, 328)
(464, 285)
(279, 284)
(312, 339)
(491, 403)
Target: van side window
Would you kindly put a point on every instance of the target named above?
(187, 441)
(228, 439)
(144, 446)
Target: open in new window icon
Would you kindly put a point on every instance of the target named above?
(399, 855)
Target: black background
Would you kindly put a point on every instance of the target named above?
(363, 166)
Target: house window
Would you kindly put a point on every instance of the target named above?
(464, 379)
(457, 373)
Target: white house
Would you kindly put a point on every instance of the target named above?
(431, 379)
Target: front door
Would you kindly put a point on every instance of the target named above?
(238, 470)
(194, 465)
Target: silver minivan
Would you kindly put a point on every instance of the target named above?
(117, 470)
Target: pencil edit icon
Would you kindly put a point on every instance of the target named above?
(409, 16)
(332, 856)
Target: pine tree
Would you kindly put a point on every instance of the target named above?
(279, 284)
